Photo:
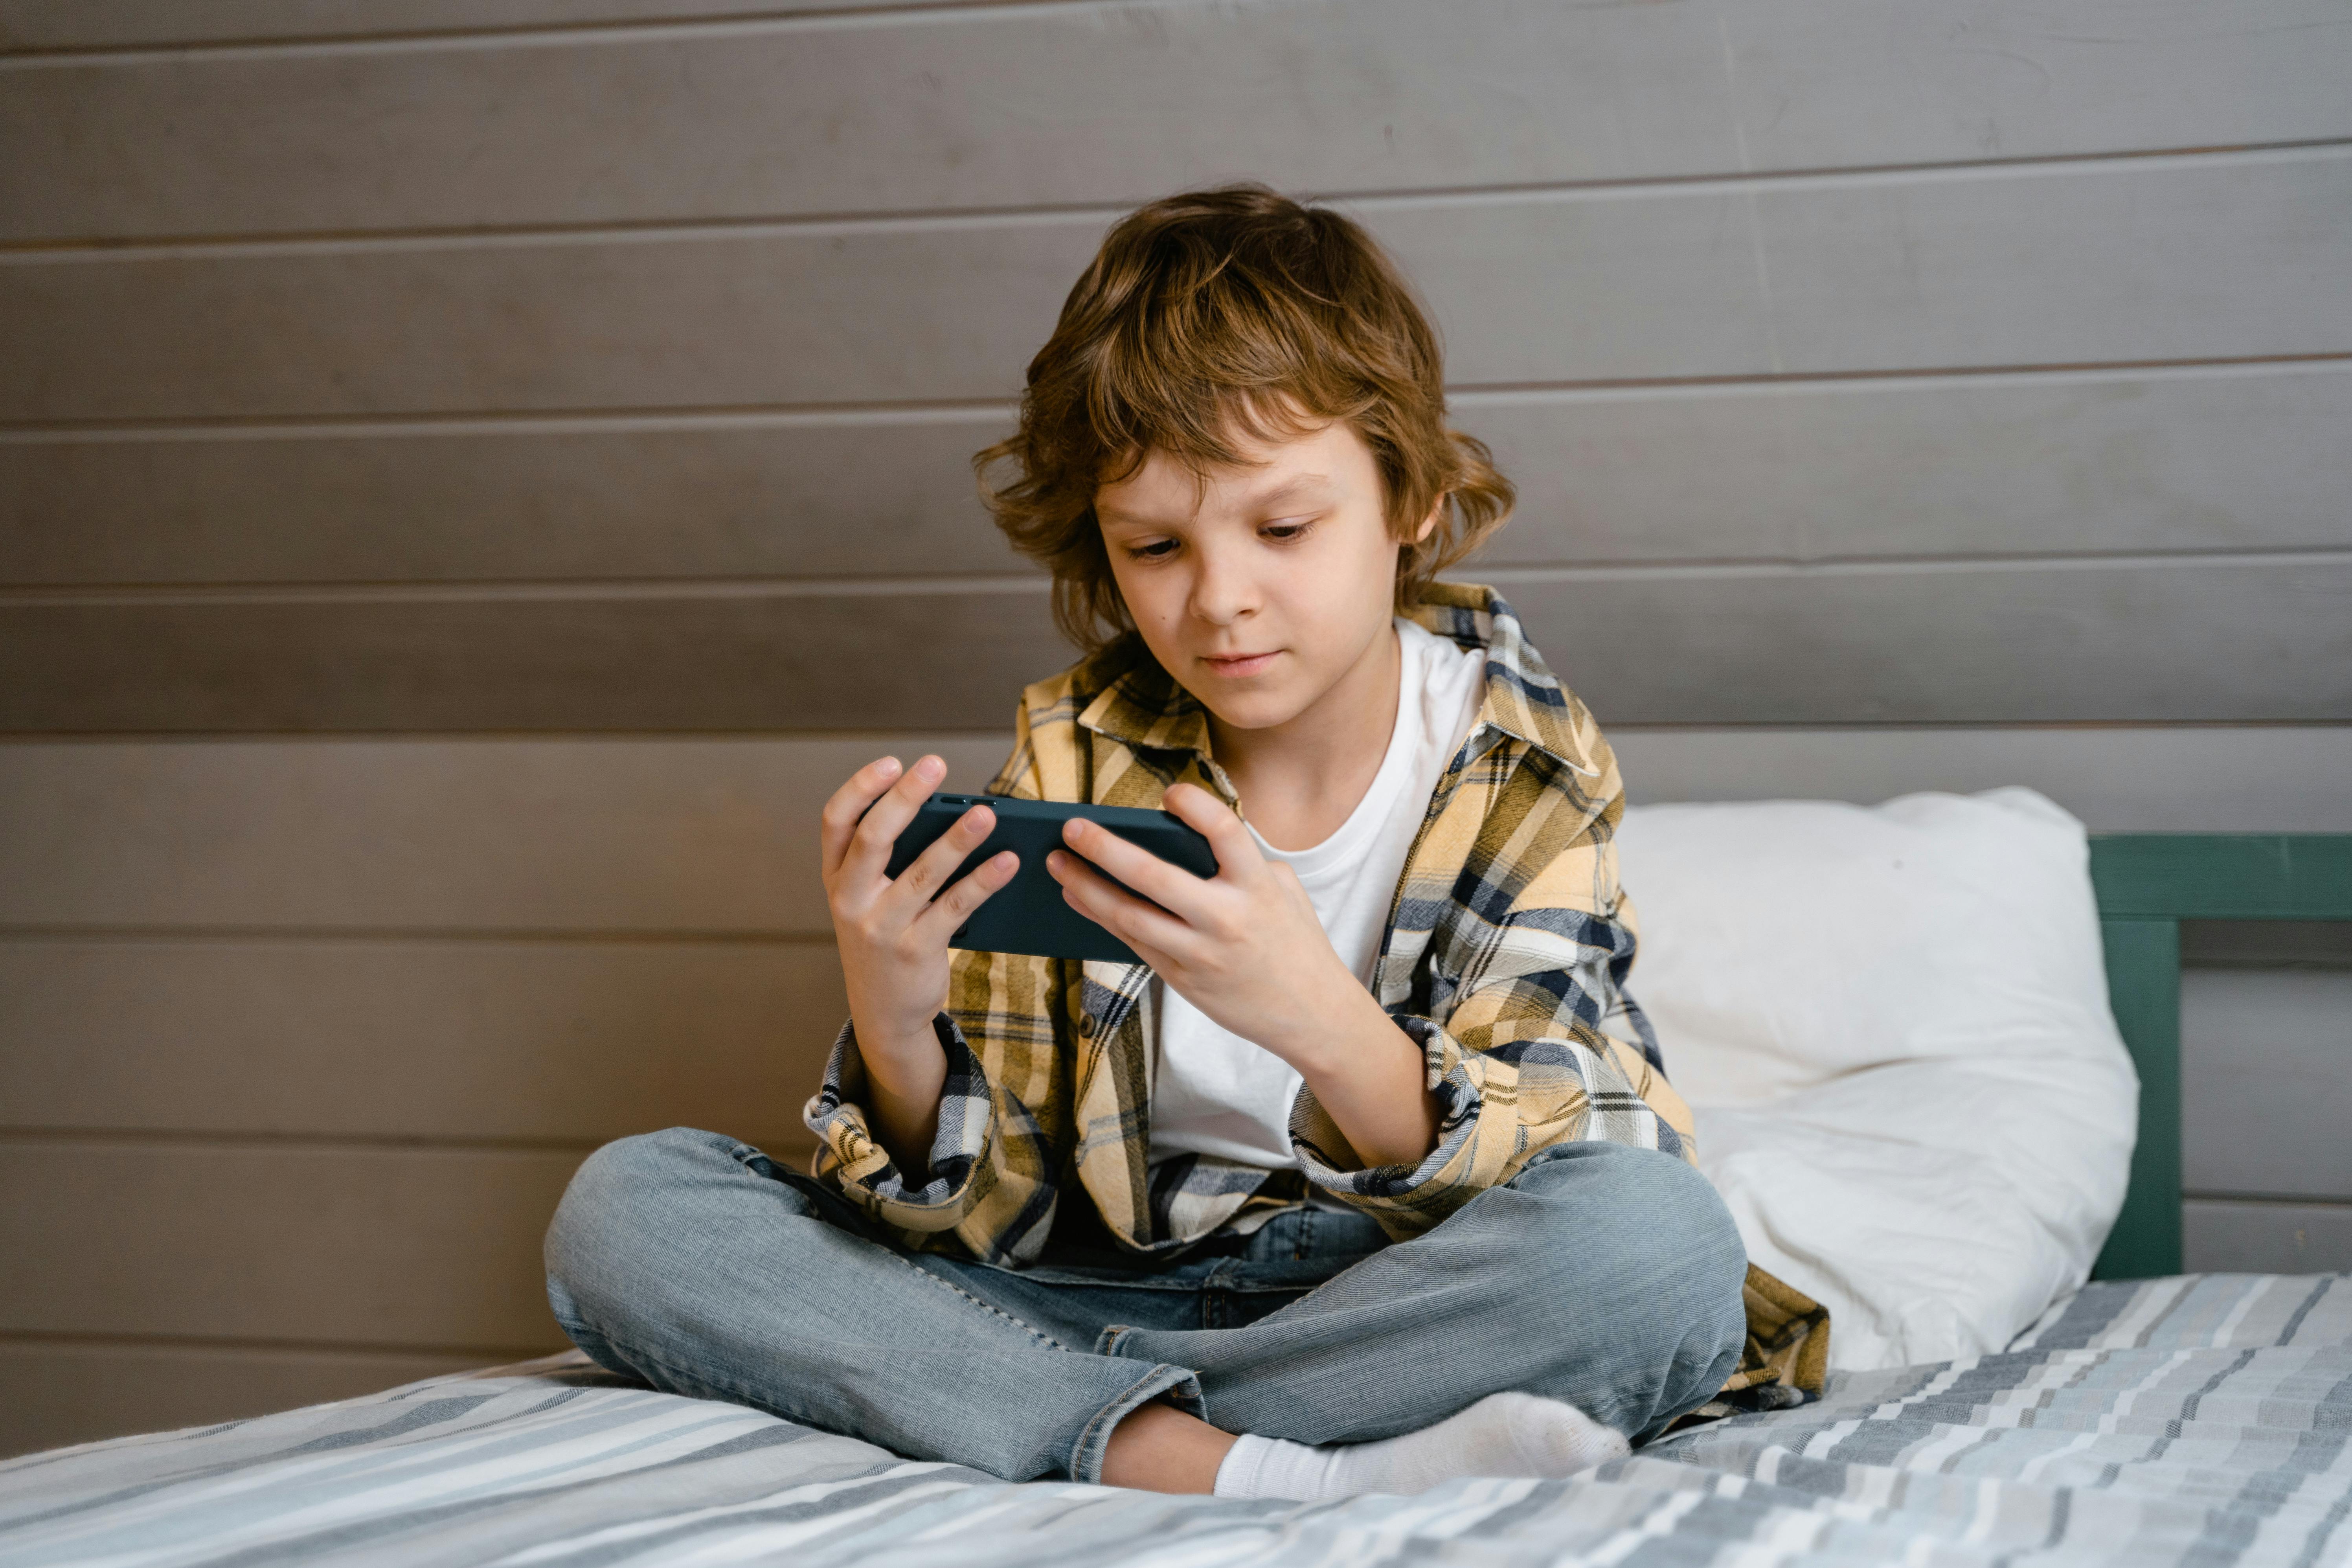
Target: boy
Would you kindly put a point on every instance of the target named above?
(1368, 1178)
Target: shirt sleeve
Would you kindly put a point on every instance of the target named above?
(921, 1203)
(1003, 1108)
(1519, 1062)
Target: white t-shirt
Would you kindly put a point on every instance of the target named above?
(1216, 1093)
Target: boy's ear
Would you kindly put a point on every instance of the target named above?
(1429, 523)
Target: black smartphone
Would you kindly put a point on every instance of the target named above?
(1028, 914)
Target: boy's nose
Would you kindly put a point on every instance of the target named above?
(1221, 595)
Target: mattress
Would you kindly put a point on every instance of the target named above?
(2202, 1419)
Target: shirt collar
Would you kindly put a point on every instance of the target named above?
(1145, 708)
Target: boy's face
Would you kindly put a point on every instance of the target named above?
(1262, 586)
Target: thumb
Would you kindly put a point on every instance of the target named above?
(1234, 845)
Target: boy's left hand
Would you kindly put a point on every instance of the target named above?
(1246, 947)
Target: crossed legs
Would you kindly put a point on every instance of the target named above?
(1604, 1278)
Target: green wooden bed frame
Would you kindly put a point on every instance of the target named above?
(2147, 884)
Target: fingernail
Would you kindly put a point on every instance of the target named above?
(888, 764)
(931, 767)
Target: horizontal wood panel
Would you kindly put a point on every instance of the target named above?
(684, 836)
(780, 497)
(727, 317)
(2225, 1237)
(565, 1042)
(2266, 1082)
(2208, 258)
(130, 23)
(2157, 259)
(755, 660)
(2210, 779)
(1047, 106)
(1997, 465)
(72, 1393)
(2241, 640)
(1996, 644)
(1829, 83)
(2061, 464)
(703, 836)
(1057, 105)
(433, 1248)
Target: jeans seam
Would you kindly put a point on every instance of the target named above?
(1040, 1335)
(1049, 1340)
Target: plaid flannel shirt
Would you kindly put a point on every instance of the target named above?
(1505, 959)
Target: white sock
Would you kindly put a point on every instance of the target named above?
(1503, 1434)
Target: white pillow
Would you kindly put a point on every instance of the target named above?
(1892, 1023)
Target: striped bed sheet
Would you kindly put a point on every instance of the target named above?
(2200, 1419)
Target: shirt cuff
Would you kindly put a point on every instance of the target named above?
(1321, 1147)
(931, 1200)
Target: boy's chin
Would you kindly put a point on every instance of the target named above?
(1254, 711)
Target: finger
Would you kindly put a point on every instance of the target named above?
(869, 846)
(1139, 868)
(955, 906)
(1122, 914)
(929, 871)
(847, 803)
(1229, 837)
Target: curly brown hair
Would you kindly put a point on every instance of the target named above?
(1226, 312)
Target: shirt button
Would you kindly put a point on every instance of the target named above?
(1087, 1024)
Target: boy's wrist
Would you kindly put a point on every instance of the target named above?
(1367, 1074)
(1332, 1023)
(902, 1098)
(899, 1059)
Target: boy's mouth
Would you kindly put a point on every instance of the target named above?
(1238, 664)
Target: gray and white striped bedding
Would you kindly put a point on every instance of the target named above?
(2205, 1419)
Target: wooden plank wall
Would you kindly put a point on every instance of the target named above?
(455, 459)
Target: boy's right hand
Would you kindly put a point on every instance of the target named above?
(893, 934)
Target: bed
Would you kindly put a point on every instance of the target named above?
(2147, 1418)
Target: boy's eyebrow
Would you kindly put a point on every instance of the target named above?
(1292, 486)
(1112, 514)
(1287, 490)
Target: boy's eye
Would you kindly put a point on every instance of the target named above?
(1284, 530)
(1158, 550)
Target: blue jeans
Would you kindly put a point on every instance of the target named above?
(1604, 1276)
